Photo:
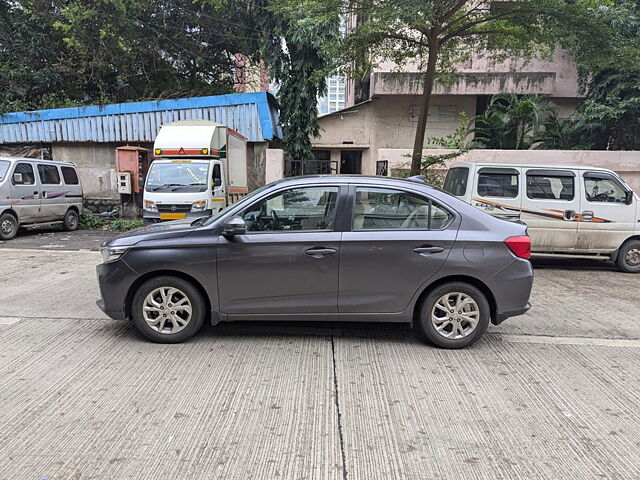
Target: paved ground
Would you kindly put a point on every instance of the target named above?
(54, 238)
(552, 394)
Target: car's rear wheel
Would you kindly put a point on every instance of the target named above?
(8, 226)
(168, 309)
(629, 257)
(71, 221)
(454, 315)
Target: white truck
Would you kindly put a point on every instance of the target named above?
(200, 164)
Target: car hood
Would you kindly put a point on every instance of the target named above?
(158, 231)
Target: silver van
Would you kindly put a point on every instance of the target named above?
(38, 191)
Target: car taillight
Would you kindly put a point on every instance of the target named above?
(520, 246)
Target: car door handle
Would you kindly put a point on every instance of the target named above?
(569, 215)
(428, 249)
(587, 216)
(318, 252)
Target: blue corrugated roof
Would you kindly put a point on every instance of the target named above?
(254, 115)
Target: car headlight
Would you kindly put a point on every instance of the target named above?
(199, 206)
(109, 254)
(150, 206)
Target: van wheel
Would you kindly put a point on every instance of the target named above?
(8, 226)
(71, 221)
(629, 257)
(168, 309)
(454, 315)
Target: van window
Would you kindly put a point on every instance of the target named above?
(70, 175)
(456, 181)
(550, 187)
(604, 190)
(26, 173)
(503, 185)
(49, 174)
(4, 167)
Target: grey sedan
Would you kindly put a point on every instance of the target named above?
(324, 248)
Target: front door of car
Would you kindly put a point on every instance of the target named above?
(25, 192)
(288, 260)
(398, 241)
(606, 220)
(52, 202)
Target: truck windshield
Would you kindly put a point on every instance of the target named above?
(4, 167)
(178, 176)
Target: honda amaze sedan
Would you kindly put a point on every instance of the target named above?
(324, 248)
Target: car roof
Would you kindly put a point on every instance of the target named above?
(23, 159)
(353, 179)
(529, 165)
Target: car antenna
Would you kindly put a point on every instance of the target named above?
(418, 178)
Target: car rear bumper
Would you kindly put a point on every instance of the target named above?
(502, 316)
(511, 289)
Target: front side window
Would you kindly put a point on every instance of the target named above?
(70, 176)
(23, 175)
(49, 174)
(548, 187)
(604, 190)
(384, 209)
(456, 181)
(307, 208)
(503, 185)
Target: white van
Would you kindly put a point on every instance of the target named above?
(568, 209)
(38, 191)
(200, 164)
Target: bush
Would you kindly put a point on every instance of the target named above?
(88, 221)
(125, 225)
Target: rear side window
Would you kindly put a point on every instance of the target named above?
(23, 175)
(49, 174)
(385, 209)
(492, 184)
(548, 187)
(70, 176)
(456, 181)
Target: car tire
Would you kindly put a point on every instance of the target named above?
(8, 226)
(164, 298)
(629, 257)
(71, 221)
(457, 328)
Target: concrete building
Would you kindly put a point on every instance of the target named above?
(89, 136)
(382, 109)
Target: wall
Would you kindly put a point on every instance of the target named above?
(626, 164)
(274, 168)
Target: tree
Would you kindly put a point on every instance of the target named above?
(561, 134)
(293, 45)
(511, 122)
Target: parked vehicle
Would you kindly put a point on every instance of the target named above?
(38, 191)
(324, 248)
(200, 163)
(568, 209)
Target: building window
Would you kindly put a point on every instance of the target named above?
(382, 168)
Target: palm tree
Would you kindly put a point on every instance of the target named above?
(510, 121)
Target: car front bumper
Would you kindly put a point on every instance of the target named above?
(155, 217)
(115, 280)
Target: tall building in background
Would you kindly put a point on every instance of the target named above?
(334, 99)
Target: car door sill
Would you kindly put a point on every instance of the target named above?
(399, 317)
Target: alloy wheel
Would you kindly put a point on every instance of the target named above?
(455, 315)
(167, 310)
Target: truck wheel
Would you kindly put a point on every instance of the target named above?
(168, 309)
(71, 221)
(629, 257)
(8, 226)
(453, 315)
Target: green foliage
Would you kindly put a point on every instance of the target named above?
(561, 134)
(89, 221)
(511, 122)
(124, 225)
(78, 52)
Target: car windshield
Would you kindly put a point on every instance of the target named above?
(4, 167)
(178, 176)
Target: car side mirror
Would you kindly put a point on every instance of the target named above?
(217, 182)
(628, 199)
(234, 226)
(17, 178)
(140, 182)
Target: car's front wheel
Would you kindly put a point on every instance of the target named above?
(168, 309)
(629, 257)
(453, 315)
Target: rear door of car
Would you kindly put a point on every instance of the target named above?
(397, 240)
(497, 191)
(606, 220)
(550, 207)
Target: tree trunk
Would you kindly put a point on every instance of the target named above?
(429, 76)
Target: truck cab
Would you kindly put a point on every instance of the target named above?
(198, 163)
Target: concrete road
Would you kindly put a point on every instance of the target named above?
(552, 394)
